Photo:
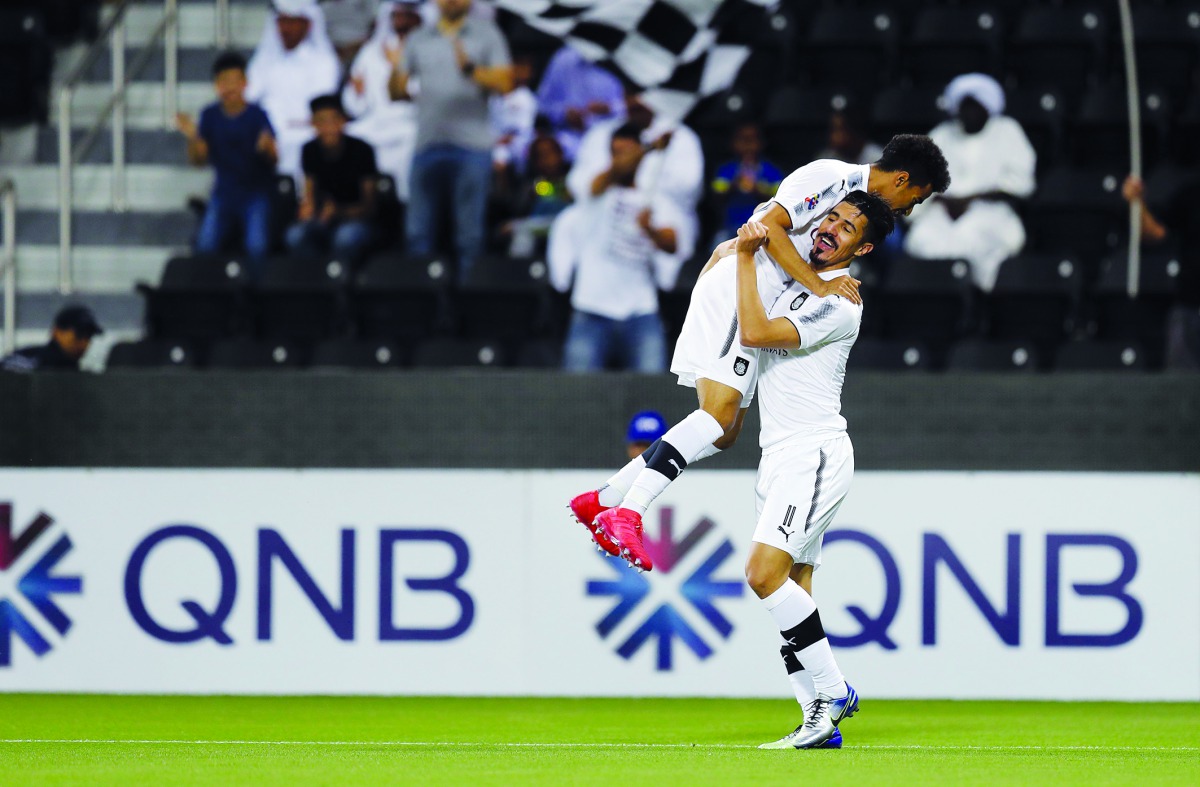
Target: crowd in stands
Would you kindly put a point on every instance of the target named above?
(452, 137)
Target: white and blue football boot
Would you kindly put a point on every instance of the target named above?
(820, 727)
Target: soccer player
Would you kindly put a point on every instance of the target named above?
(724, 372)
(807, 460)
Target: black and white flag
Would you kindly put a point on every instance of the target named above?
(672, 49)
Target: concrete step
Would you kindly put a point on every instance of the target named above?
(197, 23)
(150, 188)
(120, 311)
(93, 228)
(143, 105)
(195, 65)
(98, 269)
(142, 146)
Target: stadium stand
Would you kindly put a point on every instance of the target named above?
(1060, 62)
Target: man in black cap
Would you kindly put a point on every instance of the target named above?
(74, 327)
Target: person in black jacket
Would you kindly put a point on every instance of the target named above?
(74, 327)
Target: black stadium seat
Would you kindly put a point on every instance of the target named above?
(502, 298)
(356, 354)
(540, 354)
(905, 110)
(1100, 357)
(1034, 298)
(254, 354)
(889, 356)
(200, 297)
(400, 297)
(797, 122)
(26, 59)
(1077, 210)
(851, 47)
(301, 298)
(925, 300)
(1167, 42)
(1101, 130)
(284, 204)
(1041, 113)
(948, 41)
(1118, 317)
(1058, 47)
(978, 355)
(151, 353)
(456, 353)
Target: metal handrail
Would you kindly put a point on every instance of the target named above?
(8, 262)
(112, 34)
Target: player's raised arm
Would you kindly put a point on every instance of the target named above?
(754, 327)
(783, 251)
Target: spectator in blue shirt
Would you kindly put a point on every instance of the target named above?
(743, 183)
(236, 138)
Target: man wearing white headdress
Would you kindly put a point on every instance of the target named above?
(991, 169)
(390, 126)
(293, 63)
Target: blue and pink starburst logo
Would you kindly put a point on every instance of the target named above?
(36, 586)
(699, 590)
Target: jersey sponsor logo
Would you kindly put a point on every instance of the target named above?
(741, 366)
(799, 300)
(811, 201)
(37, 586)
(775, 351)
(657, 618)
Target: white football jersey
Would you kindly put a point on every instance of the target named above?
(800, 390)
(807, 195)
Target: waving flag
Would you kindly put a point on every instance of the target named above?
(672, 49)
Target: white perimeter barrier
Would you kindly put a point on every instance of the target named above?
(970, 585)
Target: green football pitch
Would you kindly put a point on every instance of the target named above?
(89, 739)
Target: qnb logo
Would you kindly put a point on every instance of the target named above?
(665, 622)
(36, 586)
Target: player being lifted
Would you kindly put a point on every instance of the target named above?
(807, 458)
(707, 355)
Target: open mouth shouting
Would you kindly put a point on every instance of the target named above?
(824, 242)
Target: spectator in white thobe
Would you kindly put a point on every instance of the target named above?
(991, 169)
(673, 166)
(293, 63)
(389, 126)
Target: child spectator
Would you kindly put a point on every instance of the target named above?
(539, 197)
(743, 183)
(236, 138)
(339, 188)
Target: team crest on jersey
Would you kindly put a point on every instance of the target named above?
(741, 366)
(799, 301)
(810, 202)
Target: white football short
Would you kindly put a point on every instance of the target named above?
(708, 344)
(798, 492)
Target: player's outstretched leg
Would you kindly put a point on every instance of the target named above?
(684, 442)
(587, 506)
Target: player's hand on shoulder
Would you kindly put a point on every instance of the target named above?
(751, 236)
(843, 286)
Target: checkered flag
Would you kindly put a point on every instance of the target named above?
(673, 49)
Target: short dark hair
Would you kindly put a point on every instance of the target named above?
(920, 157)
(628, 131)
(881, 220)
(327, 101)
(228, 61)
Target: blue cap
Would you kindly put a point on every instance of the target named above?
(646, 427)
